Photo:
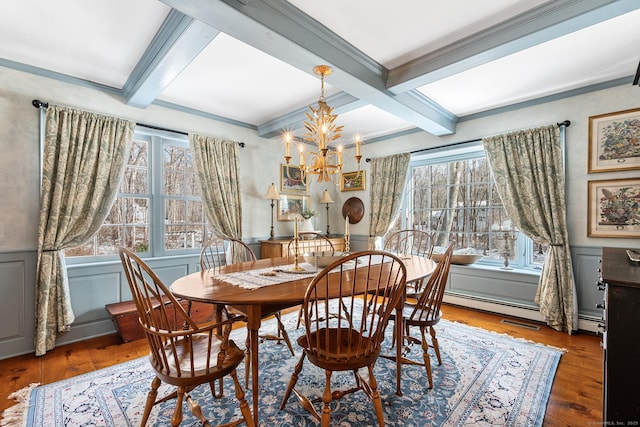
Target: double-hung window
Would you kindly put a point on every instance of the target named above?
(451, 193)
(158, 211)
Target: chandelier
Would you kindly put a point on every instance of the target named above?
(323, 160)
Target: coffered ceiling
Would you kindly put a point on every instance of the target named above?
(397, 66)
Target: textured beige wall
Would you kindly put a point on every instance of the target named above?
(260, 159)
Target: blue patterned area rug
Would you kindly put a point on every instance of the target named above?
(485, 379)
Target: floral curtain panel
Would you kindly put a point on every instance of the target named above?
(83, 163)
(218, 174)
(388, 178)
(529, 174)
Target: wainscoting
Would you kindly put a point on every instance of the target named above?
(94, 286)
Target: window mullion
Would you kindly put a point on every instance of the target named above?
(157, 199)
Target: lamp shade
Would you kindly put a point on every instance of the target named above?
(326, 197)
(272, 193)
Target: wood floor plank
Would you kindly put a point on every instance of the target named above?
(575, 400)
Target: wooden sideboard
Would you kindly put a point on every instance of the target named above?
(621, 283)
(277, 248)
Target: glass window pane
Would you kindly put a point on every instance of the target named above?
(137, 238)
(175, 237)
(175, 211)
(108, 239)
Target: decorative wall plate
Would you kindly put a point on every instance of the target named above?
(354, 209)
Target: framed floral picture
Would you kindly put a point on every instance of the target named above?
(352, 181)
(291, 206)
(291, 179)
(614, 208)
(614, 141)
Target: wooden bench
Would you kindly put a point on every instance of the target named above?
(125, 317)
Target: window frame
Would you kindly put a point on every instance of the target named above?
(157, 140)
(524, 246)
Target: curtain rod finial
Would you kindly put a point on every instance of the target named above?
(39, 104)
(566, 123)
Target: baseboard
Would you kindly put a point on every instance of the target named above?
(530, 313)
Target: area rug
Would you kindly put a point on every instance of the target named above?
(485, 379)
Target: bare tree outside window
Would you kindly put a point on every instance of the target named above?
(458, 201)
(131, 218)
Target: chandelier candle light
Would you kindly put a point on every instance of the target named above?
(326, 162)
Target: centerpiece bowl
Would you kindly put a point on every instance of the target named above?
(322, 259)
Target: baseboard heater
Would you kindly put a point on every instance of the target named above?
(514, 310)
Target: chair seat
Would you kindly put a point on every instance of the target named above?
(415, 315)
(202, 353)
(343, 352)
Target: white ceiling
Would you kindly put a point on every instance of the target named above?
(419, 64)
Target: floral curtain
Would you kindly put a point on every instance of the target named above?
(528, 169)
(388, 178)
(83, 163)
(218, 174)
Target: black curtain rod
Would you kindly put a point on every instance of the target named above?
(39, 104)
(565, 123)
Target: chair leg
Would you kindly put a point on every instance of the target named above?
(293, 380)
(244, 406)
(151, 400)
(300, 314)
(434, 344)
(425, 356)
(283, 332)
(176, 418)
(196, 410)
(247, 362)
(326, 399)
(375, 396)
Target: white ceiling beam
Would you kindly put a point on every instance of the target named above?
(178, 41)
(544, 23)
(281, 30)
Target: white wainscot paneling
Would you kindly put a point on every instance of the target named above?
(12, 295)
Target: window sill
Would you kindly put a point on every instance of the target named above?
(497, 269)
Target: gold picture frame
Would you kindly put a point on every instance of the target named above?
(353, 181)
(291, 205)
(290, 179)
(613, 208)
(614, 141)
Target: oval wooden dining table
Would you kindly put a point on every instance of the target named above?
(257, 303)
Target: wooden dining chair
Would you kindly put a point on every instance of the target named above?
(221, 251)
(182, 356)
(410, 242)
(310, 242)
(425, 314)
(370, 285)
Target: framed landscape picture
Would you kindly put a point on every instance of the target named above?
(614, 208)
(291, 205)
(291, 179)
(352, 181)
(614, 141)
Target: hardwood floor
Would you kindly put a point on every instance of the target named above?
(576, 395)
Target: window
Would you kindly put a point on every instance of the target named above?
(158, 209)
(452, 193)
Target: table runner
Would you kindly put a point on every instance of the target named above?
(261, 277)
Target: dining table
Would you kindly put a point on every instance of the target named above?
(240, 285)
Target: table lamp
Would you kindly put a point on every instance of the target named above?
(326, 199)
(272, 194)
